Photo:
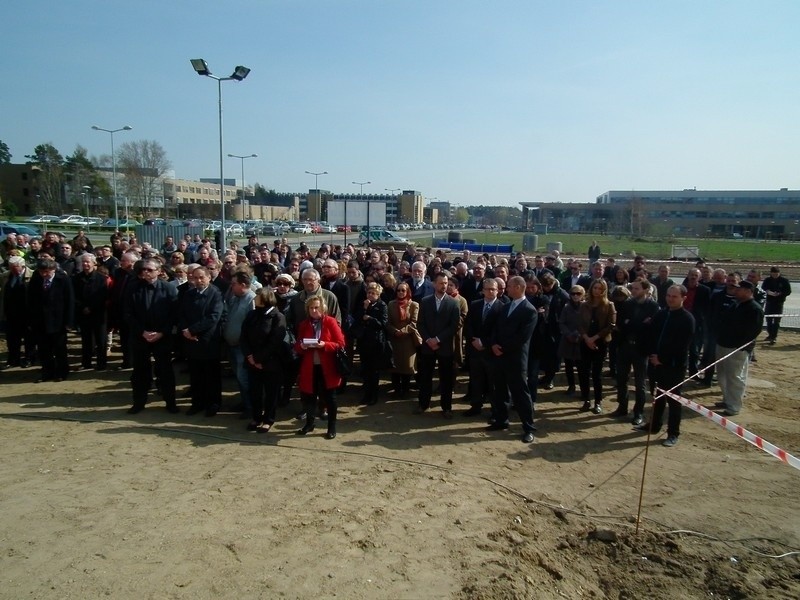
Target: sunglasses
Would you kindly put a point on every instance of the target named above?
(576, 294)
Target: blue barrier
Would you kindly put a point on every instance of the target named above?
(491, 248)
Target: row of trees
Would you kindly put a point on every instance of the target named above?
(141, 166)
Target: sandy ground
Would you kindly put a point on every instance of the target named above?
(96, 503)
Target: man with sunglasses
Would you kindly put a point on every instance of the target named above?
(149, 313)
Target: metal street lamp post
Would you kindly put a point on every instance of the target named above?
(242, 158)
(201, 68)
(114, 167)
(362, 184)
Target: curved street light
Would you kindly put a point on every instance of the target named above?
(239, 73)
(114, 170)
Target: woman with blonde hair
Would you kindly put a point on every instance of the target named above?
(596, 320)
(318, 339)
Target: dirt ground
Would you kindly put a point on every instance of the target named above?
(97, 503)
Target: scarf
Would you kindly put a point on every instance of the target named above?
(403, 306)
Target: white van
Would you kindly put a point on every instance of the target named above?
(381, 235)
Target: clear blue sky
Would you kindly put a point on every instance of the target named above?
(473, 102)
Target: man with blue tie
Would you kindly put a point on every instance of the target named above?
(478, 330)
(510, 346)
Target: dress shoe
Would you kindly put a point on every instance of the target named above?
(637, 420)
(527, 438)
(730, 413)
(173, 410)
(497, 427)
(619, 413)
(473, 412)
(135, 409)
(448, 414)
(212, 410)
(548, 386)
(587, 406)
(194, 410)
(670, 441)
(646, 427)
(597, 409)
(720, 405)
(330, 435)
(304, 429)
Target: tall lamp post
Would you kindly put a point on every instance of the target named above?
(392, 191)
(114, 167)
(242, 158)
(201, 68)
(361, 193)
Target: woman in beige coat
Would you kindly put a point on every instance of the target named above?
(402, 333)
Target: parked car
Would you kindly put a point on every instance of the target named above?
(76, 220)
(302, 228)
(234, 230)
(44, 219)
(156, 222)
(381, 235)
(6, 227)
(123, 223)
(344, 229)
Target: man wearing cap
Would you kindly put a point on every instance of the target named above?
(777, 287)
(740, 324)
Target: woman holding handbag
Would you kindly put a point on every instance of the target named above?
(372, 317)
(318, 339)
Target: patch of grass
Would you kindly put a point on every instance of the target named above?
(714, 250)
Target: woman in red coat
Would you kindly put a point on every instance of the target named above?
(318, 339)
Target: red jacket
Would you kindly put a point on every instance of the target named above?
(333, 337)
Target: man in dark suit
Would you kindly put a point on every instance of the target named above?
(14, 311)
(52, 305)
(122, 281)
(149, 314)
(198, 321)
(510, 346)
(697, 302)
(439, 317)
(421, 286)
(91, 300)
(478, 330)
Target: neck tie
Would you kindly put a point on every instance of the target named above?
(47, 284)
(486, 307)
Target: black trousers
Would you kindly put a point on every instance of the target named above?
(592, 363)
(426, 363)
(512, 378)
(665, 378)
(205, 380)
(481, 378)
(142, 377)
(264, 390)
(94, 341)
(53, 354)
(321, 395)
(17, 335)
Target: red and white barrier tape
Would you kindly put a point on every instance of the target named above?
(737, 430)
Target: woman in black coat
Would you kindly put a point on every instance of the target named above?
(266, 356)
(370, 321)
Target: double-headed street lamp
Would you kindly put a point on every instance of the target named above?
(361, 193)
(242, 158)
(114, 168)
(201, 68)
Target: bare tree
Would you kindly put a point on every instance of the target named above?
(143, 164)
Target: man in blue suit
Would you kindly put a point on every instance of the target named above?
(510, 345)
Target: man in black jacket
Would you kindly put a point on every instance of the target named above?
(633, 319)
(149, 315)
(740, 324)
(668, 348)
(91, 299)
(51, 304)
(478, 329)
(199, 315)
(777, 287)
(697, 302)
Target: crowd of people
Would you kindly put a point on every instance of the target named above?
(281, 318)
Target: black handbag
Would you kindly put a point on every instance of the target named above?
(342, 362)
